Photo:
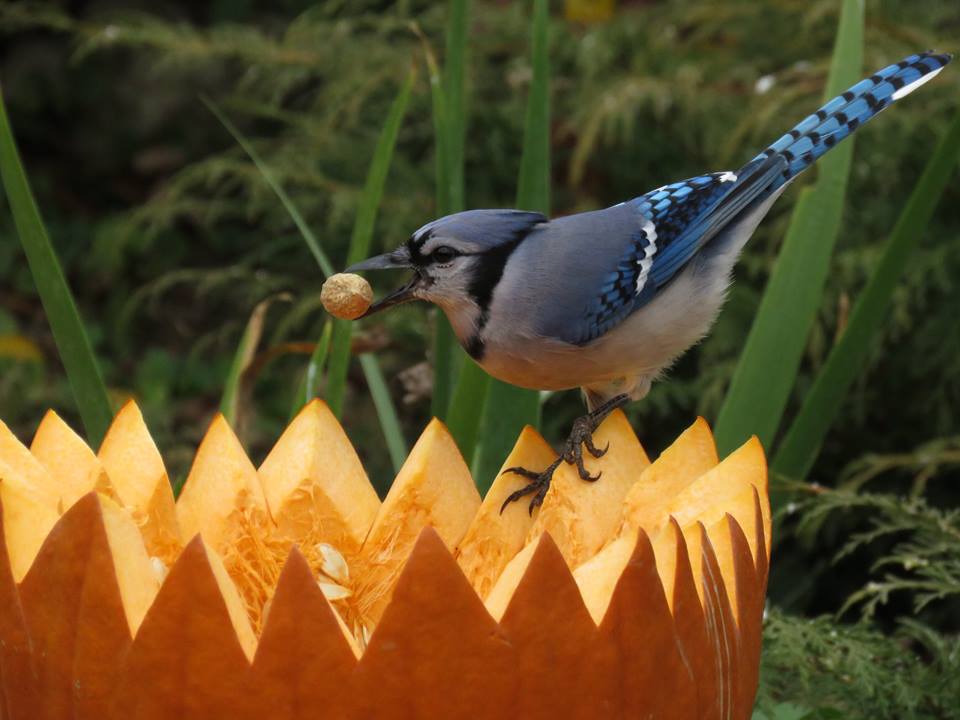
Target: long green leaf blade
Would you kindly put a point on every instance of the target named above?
(507, 408)
(446, 360)
(386, 413)
(245, 352)
(74, 347)
(363, 234)
(820, 407)
(454, 81)
(389, 422)
(449, 120)
(466, 407)
(768, 367)
(533, 186)
(309, 385)
(318, 254)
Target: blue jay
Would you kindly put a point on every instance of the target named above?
(608, 300)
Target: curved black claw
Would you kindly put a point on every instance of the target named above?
(539, 484)
(593, 449)
(581, 435)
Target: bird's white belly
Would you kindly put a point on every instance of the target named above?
(625, 359)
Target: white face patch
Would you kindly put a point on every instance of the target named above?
(418, 235)
(431, 244)
(907, 89)
(728, 177)
(647, 262)
(435, 241)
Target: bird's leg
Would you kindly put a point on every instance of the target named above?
(538, 485)
(581, 435)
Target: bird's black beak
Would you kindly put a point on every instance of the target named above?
(397, 260)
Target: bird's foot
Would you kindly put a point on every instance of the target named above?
(538, 485)
(581, 436)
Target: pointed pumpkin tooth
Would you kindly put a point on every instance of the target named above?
(221, 482)
(598, 576)
(434, 489)
(722, 633)
(638, 619)
(691, 455)
(499, 598)
(139, 479)
(236, 608)
(432, 652)
(27, 520)
(304, 659)
(82, 600)
(196, 628)
(332, 563)
(676, 573)
(581, 516)
(737, 567)
(745, 591)
(728, 487)
(18, 466)
(69, 461)
(31, 502)
(493, 538)
(547, 598)
(314, 483)
(223, 502)
(135, 571)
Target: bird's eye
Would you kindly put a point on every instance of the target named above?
(443, 254)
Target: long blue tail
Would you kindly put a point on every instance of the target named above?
(816, 134)
(683, 217)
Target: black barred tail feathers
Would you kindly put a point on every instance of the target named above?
(816, 134)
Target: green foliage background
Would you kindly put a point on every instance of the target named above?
(171, 237)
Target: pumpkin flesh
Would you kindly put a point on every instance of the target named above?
(443, 595)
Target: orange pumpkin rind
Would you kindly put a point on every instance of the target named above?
(292, 592)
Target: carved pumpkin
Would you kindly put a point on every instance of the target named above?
(291, 591)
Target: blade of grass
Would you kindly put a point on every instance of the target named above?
(454, 80)
(444, 343)
(440, 134)
(319, 255)
(533, 185)
(309, 385)
(802, 442)
(230, 401)
(74, 347)
(460, 403)
(389, 422)
(362, 235)
(507, 409)
(386, 413)
(466, 407)
(768, 366)
(449, 123)
(448, 359)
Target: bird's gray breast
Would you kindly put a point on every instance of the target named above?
(543, 297)
(555, 274)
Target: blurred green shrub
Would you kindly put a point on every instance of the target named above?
(170, 237)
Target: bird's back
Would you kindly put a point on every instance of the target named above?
(625, 290)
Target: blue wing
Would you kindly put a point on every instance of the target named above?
(673, 223)
(676, 221)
